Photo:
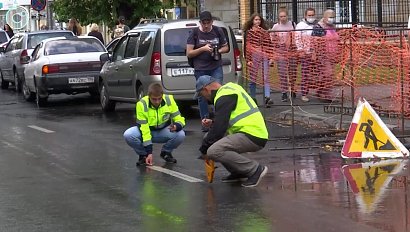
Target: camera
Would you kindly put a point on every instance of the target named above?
(215, 53)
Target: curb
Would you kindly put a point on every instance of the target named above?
(321, 120)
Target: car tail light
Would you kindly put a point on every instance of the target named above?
(155, 68)
(47, 69)
(238, 63)
(24, 58)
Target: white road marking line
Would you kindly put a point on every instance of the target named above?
(175, 174)
(41, 129)
(21, 151)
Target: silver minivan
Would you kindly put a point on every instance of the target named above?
(156, 52)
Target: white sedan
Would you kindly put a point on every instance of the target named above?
(63, 65)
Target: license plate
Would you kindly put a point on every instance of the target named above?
(80, 80)
(182, 71)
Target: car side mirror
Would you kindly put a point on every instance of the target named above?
(105, 57)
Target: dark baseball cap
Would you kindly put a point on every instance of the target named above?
(205, 15)
(201, 83)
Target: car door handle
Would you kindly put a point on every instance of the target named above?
(130, 66)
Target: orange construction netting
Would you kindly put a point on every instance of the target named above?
(362, 62)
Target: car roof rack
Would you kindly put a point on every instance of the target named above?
(213, 18)
(153, 20)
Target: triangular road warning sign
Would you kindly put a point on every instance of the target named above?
(369, 180)
(369, 137)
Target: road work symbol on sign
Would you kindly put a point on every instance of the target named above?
(369, 137)
(369, 181)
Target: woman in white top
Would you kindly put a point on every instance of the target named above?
(285, 49)
(304, 43)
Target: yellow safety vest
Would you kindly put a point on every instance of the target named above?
(246, 117)
(151, 118)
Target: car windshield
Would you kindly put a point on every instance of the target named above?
(3, 37)
(76, 45)
(35, 39)
(175, 41)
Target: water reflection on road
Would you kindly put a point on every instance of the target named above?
(374, 192)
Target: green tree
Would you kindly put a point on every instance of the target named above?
(107, 11)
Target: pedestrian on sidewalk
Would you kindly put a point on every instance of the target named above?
(257, 42)
(158, 121)
(326, 53)
(74, 26)
(283, 38)
(238, 116)
(304, 43)
(8, 30)
(120, 28)
(95, 32)
(205, 46)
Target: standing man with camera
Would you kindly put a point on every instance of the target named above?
(204, 46)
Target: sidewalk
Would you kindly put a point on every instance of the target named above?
(313, 113)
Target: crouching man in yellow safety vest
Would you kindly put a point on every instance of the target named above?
(158, 121)
(236, 115)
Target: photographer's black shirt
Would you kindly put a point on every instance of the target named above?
(205, 61)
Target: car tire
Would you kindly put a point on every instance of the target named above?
(107, 105)
(4, 84)
(17, 82)
(41, 101)
(28, 95)
(140, 92)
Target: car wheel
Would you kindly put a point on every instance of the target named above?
(41, 101)
(140, 92)
(4, 84)
(17, 82)
(107, 105)
(28, 95)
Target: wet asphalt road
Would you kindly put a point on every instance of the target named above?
(67, 168)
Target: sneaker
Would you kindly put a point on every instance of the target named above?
(284, 97)
(256, 177)
(233, 178)
(141, 160)
(168, 157)
(304, 99)
(268, 101)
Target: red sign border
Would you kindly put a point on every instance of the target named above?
(35, 3)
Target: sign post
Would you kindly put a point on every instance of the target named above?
(38, 5)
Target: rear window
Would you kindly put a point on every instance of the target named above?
(80, 45)
(35, 39)
(3, 37)
(175, 40)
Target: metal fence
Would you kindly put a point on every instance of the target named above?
(366, 63)
(373, 13)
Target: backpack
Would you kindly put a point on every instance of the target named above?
(118, 31)
(195, 36)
